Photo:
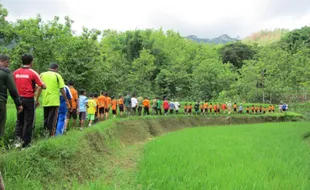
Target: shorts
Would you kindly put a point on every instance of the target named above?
(235, 109)
(107, 110)
(252, 111)
(101, 110)
(218, 111)
(91, 117)
(189, 110)
(247, 111)
(185, 110)
(82, 116)
(121, 108)
(264, 112)
(72, 114)
(201, 110)
(114, 112)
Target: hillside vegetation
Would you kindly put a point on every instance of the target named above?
(162, 63)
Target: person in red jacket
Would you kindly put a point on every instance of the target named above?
(166, 106)
(224, 107)
(26, 80)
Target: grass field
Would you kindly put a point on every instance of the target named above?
(260, 156)
(256, 156)
(125, 155)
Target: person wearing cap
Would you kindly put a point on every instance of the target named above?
(51, 101)
(26, 81)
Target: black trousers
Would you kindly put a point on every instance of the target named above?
(25, 121)
(2, 117)
(140, 110)
(50, 119)
(134, 109)
(159, 111)
(146, 110)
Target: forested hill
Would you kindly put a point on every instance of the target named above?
(163, 63)
(223, 39)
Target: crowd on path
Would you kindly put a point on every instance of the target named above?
(61, 102)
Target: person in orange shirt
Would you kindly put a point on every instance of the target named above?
(210, 108)
(75, 104)
(185, 108)
(235, 107)
(256, 109)
(264, 110)
(201, 109)
(189, 109)
(260, 109)
(121, 105)
(114, 106)
(107, 105)
(97, 108)
(269, 109)
(205, 107)
(253, 109)
(101, 105)
(146, 105)
(247, 109)
(215, 108)
(272, 108)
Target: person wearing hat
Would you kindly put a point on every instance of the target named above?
(51, 101)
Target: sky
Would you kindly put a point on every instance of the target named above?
(205, 19)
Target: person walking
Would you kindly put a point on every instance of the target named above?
(75, 104)
(25, 79)
(134, 103)
(127, 102)
(146, 104)
(6, 84)
(51, 101)
(62, 113)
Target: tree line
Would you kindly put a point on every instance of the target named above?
(163, 63)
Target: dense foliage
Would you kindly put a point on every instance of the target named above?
(163, 63)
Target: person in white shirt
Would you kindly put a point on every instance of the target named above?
(176, 106)
(134, 103)
(229, 107)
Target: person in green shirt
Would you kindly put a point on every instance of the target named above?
(51, 101)
(159, 104)
(127, 102)
(6, 84)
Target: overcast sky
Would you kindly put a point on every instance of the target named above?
(202, 18)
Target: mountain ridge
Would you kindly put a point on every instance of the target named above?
(223, 39)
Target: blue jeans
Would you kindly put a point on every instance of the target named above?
(61, 123)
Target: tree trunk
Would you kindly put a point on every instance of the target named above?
(1, 183)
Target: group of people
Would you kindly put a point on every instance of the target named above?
(61, 102)
(216, 108)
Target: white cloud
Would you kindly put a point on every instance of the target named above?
(202, 18)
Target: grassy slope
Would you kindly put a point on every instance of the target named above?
(269, 156)
(78, 157)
